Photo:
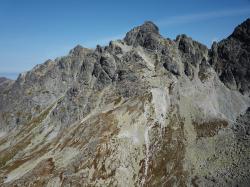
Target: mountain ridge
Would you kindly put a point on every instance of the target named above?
(142, 111)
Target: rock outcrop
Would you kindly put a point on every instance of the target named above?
(142, 111)
(231, 58)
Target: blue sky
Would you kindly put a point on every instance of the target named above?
(32, 31)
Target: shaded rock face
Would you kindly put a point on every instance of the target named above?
(231, 58)
(142, 111)
(146, 35)
(4, 83)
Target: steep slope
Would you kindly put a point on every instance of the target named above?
(142, 111)
(231, 58)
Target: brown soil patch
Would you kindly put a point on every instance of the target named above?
(10, 152)
(167, 154)
(117, 101)
(210, 128)
(44, 168)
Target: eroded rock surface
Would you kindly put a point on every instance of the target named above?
(142, 111)
(231, 58)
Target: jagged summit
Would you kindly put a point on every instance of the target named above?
(79, 51)
(148, 27)
(242, 32)
(143, 111)
(144, 35)
(231, 58)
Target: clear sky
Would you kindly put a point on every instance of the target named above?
(32, 31)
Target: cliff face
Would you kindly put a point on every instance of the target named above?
(142, 111)
(231, 58)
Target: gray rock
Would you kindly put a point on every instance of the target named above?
(146, 35)
(173, 68)
(231, 58)
(143, 111)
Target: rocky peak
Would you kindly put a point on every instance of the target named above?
(231, 58)
(145, 35)
(143, 111)
(4, 81)
(242, 32)
(149, 26)
(146, 27)
(79, 51)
